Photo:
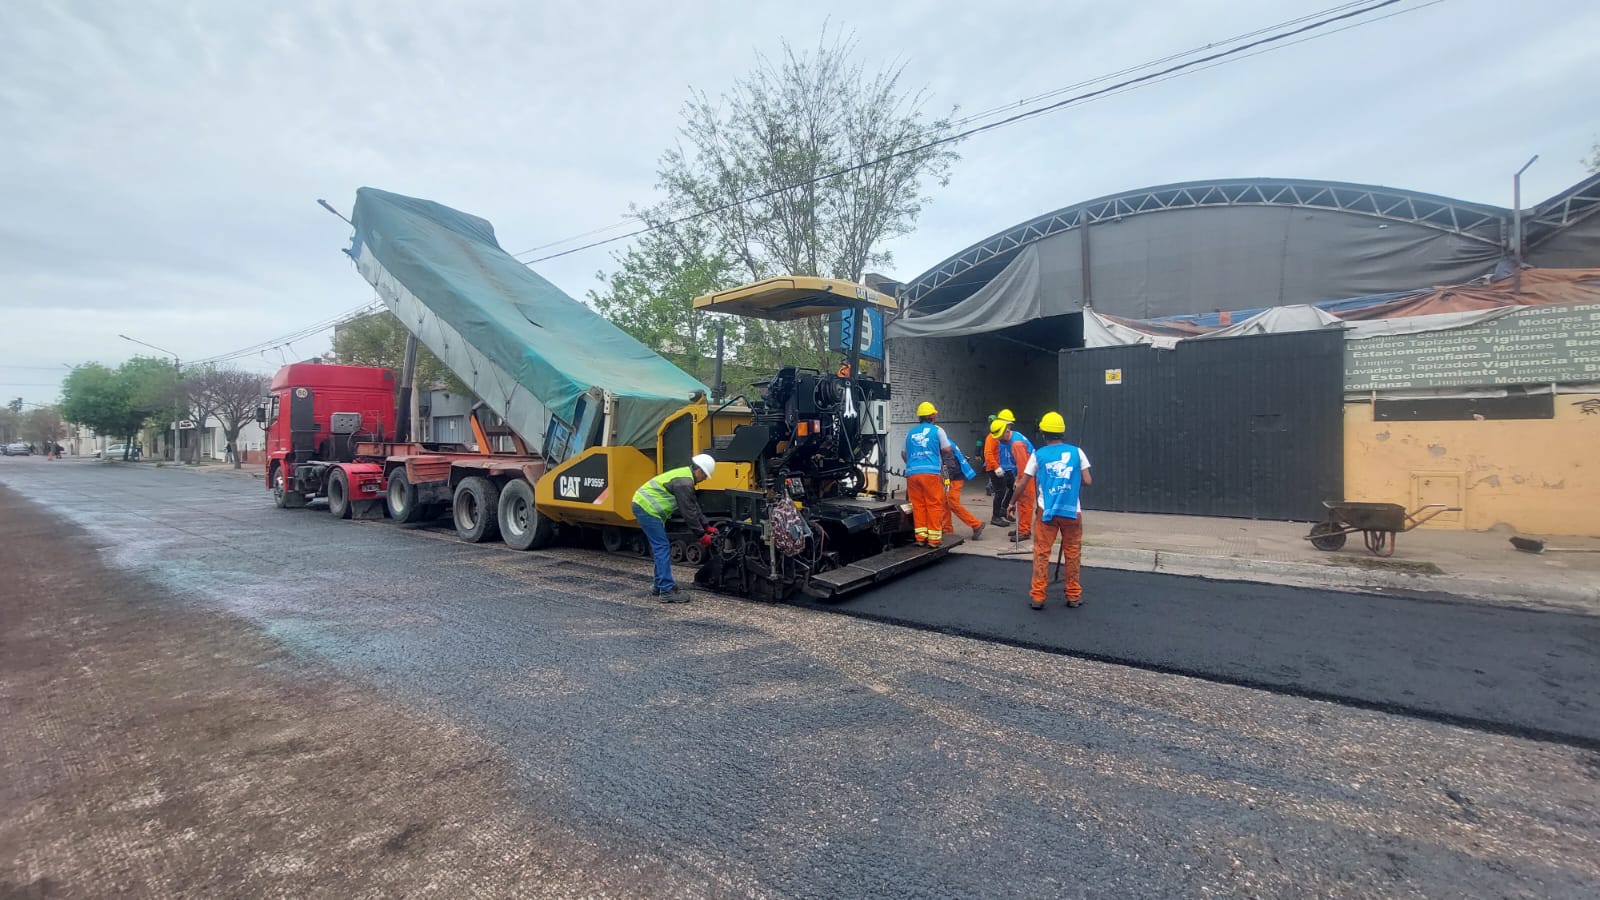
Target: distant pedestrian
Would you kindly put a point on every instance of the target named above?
(927, 449)
(1055, 476)
(654, 504)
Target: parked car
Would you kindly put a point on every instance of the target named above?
(116, 451)
(19, 449)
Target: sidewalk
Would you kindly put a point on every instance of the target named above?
(1476, 565)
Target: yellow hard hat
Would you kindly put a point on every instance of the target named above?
(926, 409)
(998, 427)
(1052, 423)
(1008, 415)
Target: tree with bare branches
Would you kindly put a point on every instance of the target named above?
(231, 396)
(809, 165)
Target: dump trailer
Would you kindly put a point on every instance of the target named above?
(575, 415)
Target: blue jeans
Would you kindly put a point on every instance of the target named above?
(655, 531)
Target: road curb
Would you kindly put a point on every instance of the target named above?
(1558, 596)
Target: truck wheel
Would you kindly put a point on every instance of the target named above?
(521, 524)
(612, 539)
(475, 509)
(401, 499)
(281, 495)
(339, 494)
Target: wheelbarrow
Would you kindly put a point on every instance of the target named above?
(1378, 523)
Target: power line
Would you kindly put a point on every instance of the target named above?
(996, 110)
(1119, 87)
(291, 337)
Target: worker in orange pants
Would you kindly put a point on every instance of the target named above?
(1020, 451)
(1055, 475)
(957, 473)
(927, 448)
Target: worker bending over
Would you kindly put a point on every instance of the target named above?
(654, 504)
(927, 450)
(957, 472)
(1055, 476)
(996, 457)
(1018, 450)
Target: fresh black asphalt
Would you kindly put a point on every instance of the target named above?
(790, 754)
(1503, 668)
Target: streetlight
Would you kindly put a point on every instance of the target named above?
(177, 403)
(1516, 224)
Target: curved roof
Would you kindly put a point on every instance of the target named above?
(1466, 225)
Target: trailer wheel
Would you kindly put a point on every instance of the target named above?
(339, 494)
(476, 509)
(521, 523)
(281, 495)
(612, 539)
(401, 499)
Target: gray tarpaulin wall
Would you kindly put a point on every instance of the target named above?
(1183, 261)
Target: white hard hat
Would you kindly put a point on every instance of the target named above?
(705, 463)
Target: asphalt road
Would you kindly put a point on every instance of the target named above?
(1528, 672)
(723, 747)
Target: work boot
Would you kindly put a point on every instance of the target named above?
(1016, 536)
(673, 595)
(1074, 604)
(1002, 521)
(1036, 604)
(977, 533)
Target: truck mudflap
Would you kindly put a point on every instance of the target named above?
(836, 584)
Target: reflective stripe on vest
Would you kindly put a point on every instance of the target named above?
(653, 496)
(922, 450)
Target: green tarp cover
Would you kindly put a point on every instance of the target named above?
(552, 346)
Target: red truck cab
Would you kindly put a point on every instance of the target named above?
(315, 417)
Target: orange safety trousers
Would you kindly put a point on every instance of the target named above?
(1025, 503)
(953, 508)
(926, 493)
(1070, 531)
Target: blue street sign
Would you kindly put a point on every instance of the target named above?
(871, 335)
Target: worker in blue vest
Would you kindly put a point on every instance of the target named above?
(1056, 474)
(654, 504)
(927, 450)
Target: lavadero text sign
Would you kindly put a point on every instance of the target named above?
(1539, 345)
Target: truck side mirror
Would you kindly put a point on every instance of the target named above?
(261, 415)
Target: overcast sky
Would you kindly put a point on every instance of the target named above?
(160, 161)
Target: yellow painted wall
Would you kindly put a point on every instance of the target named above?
(1539, 476)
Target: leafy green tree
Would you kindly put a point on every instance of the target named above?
(379, 339)
(118, 402)
(759, 166)
(649, 296)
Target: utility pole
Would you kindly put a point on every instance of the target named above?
(718, 390)
(177, 390)
(1516, 225)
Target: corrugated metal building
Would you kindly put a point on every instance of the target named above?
(983, 329)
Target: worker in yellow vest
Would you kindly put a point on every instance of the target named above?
(655, 502)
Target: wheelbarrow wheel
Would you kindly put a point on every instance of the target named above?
(1327, 536)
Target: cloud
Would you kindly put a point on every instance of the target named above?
(161, 160)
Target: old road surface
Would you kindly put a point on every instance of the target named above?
(201, 695)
